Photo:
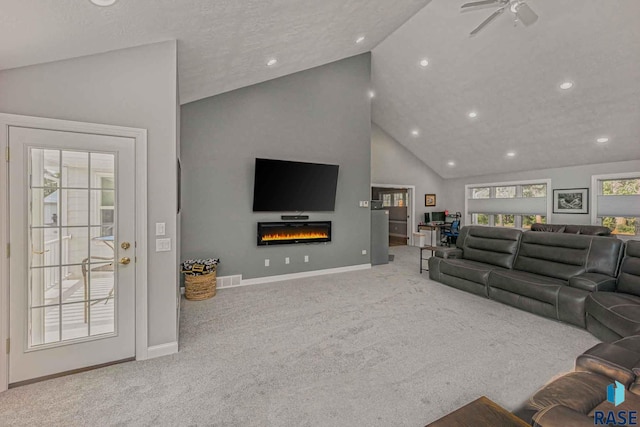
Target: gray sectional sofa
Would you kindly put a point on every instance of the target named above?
(546, 273)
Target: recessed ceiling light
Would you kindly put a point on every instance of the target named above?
(424, 63)
(103, 2)
(415, 132)
(360, 39)
(451, 163)
(473, 115)
(511, 154)
(272, 62)
(566, 85)
(372, 93)
(602, 140)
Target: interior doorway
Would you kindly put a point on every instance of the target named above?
(398, 200)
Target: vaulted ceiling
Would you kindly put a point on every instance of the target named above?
(508, 74)
(222, 44)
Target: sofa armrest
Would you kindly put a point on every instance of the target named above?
(611, 361)
(593, 282)
(448, 253)
(561, 416)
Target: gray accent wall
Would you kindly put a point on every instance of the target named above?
(320, 115)
(133, 87)
(567, 177)
(392, 163)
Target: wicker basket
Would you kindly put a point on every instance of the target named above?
(198, 288)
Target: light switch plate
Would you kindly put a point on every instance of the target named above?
(160, 228)
(163, 245)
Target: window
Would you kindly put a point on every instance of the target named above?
(529, 220)
(505, 220)
(618, 203)
(508, 204)
(395, 199)
(386, 200)
(505, 192)
(534, 190)
(481, 193)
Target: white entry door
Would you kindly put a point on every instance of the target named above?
(72, 263)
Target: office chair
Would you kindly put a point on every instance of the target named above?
(451, 235)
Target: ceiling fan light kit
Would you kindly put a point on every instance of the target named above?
(521, 10)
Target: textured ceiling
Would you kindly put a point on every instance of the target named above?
(222, 44)
(510, 76)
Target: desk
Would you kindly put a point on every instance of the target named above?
(479, 413)
(436, 230)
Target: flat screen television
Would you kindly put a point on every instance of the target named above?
(285, 186)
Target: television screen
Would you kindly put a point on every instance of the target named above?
(284, 186)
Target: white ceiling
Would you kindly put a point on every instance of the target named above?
(222, 44)
(510, 75)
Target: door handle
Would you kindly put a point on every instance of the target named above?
(125, 260)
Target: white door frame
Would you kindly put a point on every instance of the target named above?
(140, 138)
(412, 201)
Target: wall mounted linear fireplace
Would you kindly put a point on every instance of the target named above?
(284, 233)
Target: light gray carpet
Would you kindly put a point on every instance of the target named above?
(382, 347)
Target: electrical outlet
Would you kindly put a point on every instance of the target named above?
(364, 252)
(365, 204)
(306, 258)
(266, 262)
(286, 260)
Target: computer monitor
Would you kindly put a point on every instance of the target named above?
(427, 218)
(438, 216)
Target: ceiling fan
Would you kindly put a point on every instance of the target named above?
(521, 11)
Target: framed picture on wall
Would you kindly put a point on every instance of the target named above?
(571, 201)
(429, 199)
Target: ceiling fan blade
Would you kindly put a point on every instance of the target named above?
(525, 14)
(480, 3)
(484, 23)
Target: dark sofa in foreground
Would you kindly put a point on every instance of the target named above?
(546, 273)
(579, 398)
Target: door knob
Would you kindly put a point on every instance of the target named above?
(125, 245)
(125, 260)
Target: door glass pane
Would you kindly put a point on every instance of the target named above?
(75, 169)
(45, 325)
(75, 321)
(44, 207)
(74, 279)
(45, 247)
(72, 236)
(74, 206)
(75, 245)
(45, 168)
(102, 315)
(103, 170)
(101, 281)
(45, 286)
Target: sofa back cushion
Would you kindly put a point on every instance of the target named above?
(562, 255)
(490, 245)
(629, 279)
(592, 230)
(556, 228)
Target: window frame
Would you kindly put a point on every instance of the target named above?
(596, 190)
(518, 185)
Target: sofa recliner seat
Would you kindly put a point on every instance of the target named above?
(612, 315)
(593, 230)
(550, 274)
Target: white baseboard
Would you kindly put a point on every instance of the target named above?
(281, 277)
(162, 350)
